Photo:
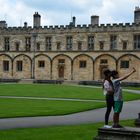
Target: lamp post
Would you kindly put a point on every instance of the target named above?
(34, 35)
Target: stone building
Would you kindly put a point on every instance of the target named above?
(71, 52)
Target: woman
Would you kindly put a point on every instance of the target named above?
(108, 92)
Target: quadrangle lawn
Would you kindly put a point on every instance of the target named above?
(57, 91)
(25, 107)
(30, 107)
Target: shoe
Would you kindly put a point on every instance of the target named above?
(107, 126)
(117, 126)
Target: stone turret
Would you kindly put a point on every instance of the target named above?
(137, 15)
(94, 20)
(3, 24)
(36, 20)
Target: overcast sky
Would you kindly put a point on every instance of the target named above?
(59, 12)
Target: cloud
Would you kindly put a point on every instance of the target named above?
(59, 12)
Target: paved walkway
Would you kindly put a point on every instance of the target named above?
(130, 111)
(54, 99)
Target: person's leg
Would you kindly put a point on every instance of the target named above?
(108, 110)
(117, 110)
(116, 118)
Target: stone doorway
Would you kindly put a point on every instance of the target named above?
(61, 72)
(102, 68)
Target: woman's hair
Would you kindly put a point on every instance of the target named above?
(114, 73)
(107, 75)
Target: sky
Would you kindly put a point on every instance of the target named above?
(60, 12)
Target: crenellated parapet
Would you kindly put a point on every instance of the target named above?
(78, 28)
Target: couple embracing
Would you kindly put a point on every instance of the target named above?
(113, 94)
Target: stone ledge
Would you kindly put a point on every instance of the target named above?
(137, 121)
(127, 133)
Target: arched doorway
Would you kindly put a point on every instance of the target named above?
(61, 72)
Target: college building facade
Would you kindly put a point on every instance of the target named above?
(71, 52)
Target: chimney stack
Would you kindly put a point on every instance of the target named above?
(137, 15)
(74, 20)
(94, 20)
(36, 20)
(3, 24)
(25, 24)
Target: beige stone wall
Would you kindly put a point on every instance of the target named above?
(26, 73)
(43, 73)
(111, 64)
(67, 67)
(93, 70)
(83, 73)
(5, 74)
(133, 62)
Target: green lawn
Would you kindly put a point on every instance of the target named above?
(25, 107)
(75, 132)
(30, 107)
(133, 88)
(57, 91)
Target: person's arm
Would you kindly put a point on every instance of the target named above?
(127, 75)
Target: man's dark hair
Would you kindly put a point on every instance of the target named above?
(114, 73)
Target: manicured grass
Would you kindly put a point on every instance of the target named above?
(25, 107)
(75, 132)
(57, 91)
(133, 88)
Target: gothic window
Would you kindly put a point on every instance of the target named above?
(137, 42)
(28, 43)
(61, 61)
(5, 65)
(48, 43)
(69, 42)
(103, 61)
(124, 64)
(82, 64)
(101, 43)
(113, 42)
(124, 45)
(41, 64)
(17, 46)
(79, 45)
(38, 46)
(19, 65)
(58, 45)
(90, 42)
(6, 44)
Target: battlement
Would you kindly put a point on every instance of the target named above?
(101, 27)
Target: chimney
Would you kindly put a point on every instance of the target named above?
(94, 20)
(3, 24)
(137, 15)
(36, 20)
(74, 20)
(25, 24)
